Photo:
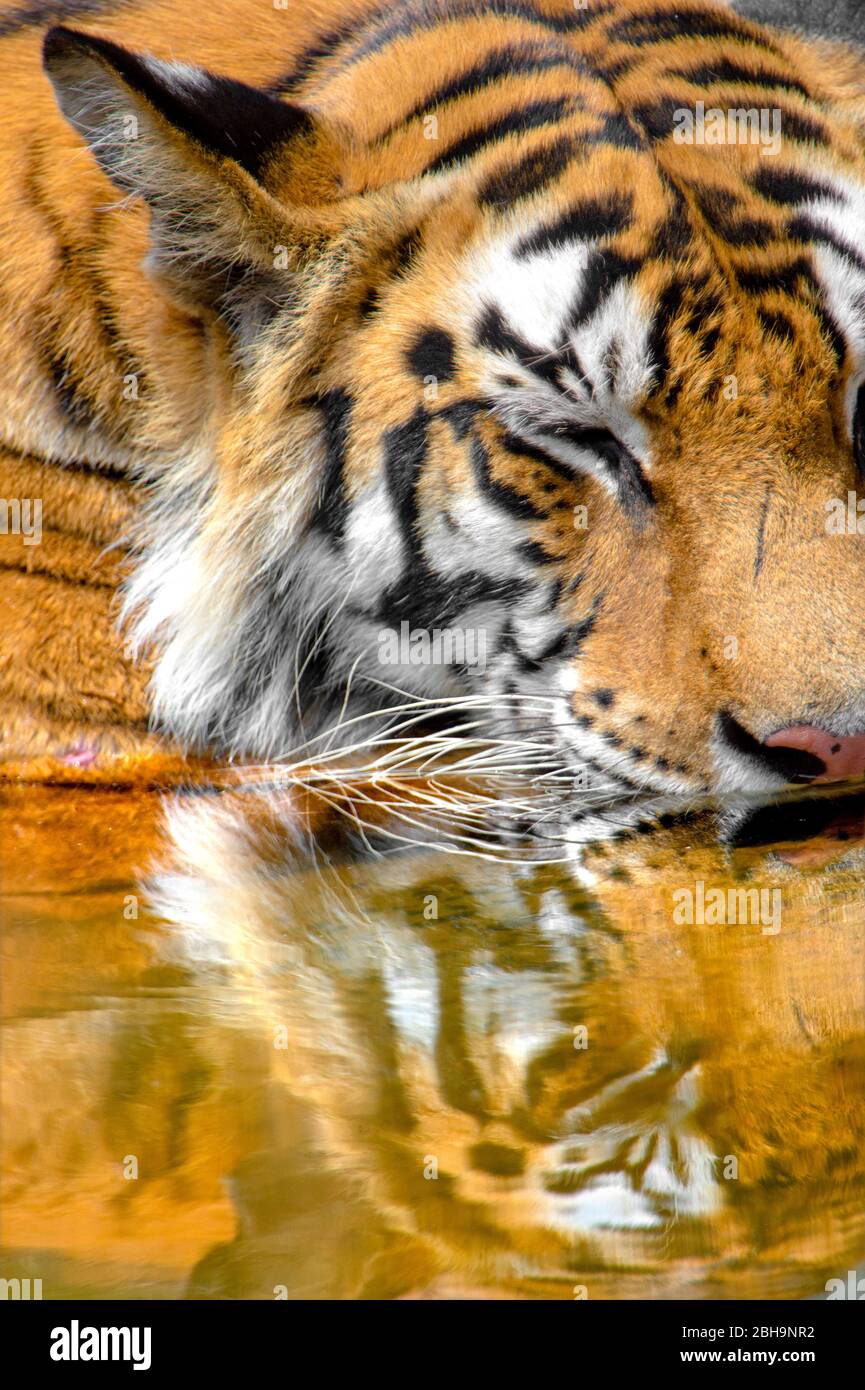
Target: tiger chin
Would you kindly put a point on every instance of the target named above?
(445, 322)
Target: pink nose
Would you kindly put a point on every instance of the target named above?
(842, 757)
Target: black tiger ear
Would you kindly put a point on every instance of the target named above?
(213, 158)
(224, 117)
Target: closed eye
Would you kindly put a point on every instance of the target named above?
(623, 469)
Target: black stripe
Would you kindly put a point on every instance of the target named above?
(509, 645)
(726, 70)
(394, 261)
(521, 448)
(605, 269)
(611, 72)
(594, 218)
(400, 255)
(673, 236)
(723, 210)
(535, 554)
(750, 231)
(309, 58)
(419, 18)
(805, 230)
(657, 26)
(461, 415)
(634, 490)
(578, 634)
(659, 119)
(709, 340)
(504, 496)
(528, 175)
(405, 449)
(760, 551)
(566, 644)
(555, 589)
(787, 278)
(380, 28)
(429, 600)
(370, 303)
(37, 16)
(837, 341)
(537, 113)
(494, 333)
(460, 1083)
(668, 306)
(617, 129)
(332, 507)
(788, 186)
(705, 305)
(69, 582)
(798, 127)
(78, 262)
(567, 357)
(778, 323)
(515, 60)
(107, 472)
(69, 391)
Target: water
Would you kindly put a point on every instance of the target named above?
(250, 1055)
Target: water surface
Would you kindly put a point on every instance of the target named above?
(243, 1058)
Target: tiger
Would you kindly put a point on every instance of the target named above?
(326, 328)
(348, 1073)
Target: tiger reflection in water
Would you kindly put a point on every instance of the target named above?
(519, 1087)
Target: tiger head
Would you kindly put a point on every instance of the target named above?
(503, 354)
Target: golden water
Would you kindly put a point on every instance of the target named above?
(241, 1062)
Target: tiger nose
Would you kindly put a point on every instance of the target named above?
(841, 756)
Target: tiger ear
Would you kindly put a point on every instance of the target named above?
(237, 182)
